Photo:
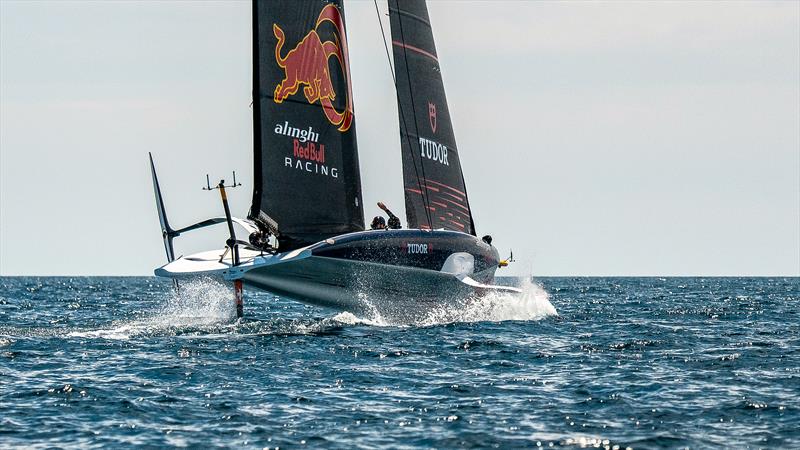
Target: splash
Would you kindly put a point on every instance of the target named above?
(532, 304)
(206, 306)
(202, 301)
(203, 304)
(348, 318)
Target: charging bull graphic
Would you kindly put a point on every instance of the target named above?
(307, 65)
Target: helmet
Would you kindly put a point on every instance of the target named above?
(378, 223)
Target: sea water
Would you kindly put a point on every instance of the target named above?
(575, 362)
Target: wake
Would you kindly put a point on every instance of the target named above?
(206, 306)
(532, 304)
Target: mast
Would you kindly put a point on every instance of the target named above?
(307, 183)
(435, 192)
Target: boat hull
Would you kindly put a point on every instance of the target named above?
(421, 249)
(397, 273)
(396, 292)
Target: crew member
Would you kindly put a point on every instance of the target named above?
(394, 222)
(378, 223)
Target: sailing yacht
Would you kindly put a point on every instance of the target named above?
(306, 235)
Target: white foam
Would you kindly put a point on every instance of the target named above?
(532, 304)
(208, 304)
(200, 302)
(347, 318)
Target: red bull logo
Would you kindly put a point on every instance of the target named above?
(307, 66)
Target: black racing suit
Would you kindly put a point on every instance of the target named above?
(394, 222)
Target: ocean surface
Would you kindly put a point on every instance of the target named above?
(575, 362)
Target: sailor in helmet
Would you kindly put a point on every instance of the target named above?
(378, 223)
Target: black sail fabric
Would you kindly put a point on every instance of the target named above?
(435, 194)
(307, 184)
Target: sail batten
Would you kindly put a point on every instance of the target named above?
(435, 192)
(307, 184)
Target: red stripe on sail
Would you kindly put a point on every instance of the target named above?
(457, 224)
(461, 199)
(444, 185)
(415, 49)
(456, 204)
(414, 191)
(439, 204)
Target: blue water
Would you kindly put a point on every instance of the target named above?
(625, 362)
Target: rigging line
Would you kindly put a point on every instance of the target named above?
(258, 177)
(385, 45)
(425, 196)
(405, 129)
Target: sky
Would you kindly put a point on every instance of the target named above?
(597, 138)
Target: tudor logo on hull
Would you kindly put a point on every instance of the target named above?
(419, 249)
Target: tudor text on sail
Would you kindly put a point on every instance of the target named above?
(433, 150)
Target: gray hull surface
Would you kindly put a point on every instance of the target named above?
(395, 292)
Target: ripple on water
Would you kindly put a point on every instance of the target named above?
(626, 362)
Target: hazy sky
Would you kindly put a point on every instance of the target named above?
(619, 138)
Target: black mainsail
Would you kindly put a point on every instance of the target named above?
(435, 193)
(307, 184)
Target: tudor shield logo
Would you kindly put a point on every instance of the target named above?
(307, 65)
(432, 116)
